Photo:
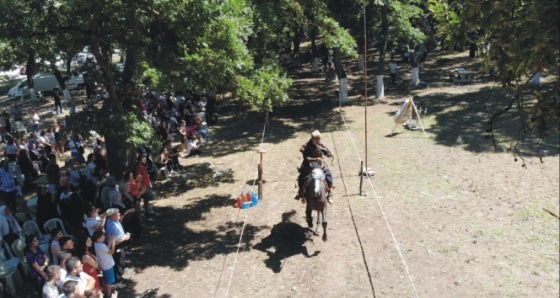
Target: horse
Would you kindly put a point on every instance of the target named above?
(315, 195)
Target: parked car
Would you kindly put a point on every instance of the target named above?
(11, 73)
(75, 82)
(42, 83)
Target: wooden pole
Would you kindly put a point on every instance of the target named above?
(260, 168)
(361, 177)
(365, 90)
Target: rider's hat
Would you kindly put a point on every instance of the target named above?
(316, 134)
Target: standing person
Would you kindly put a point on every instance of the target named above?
(104, 254)
(114, 229)
(37, 260)
(57, 103)
(146, 183)
(393, 71)
(17, 112)
(3, 128)
(89, 260)
(7, 119)
(53, 176)
(7, 186)
(35, 120)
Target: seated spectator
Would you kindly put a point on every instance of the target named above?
(50, 290)
(55, 247)
(77, 149)
(74, 272)
(37, 261)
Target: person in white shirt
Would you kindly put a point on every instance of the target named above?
(93, 221)
(105, 259)
(75, 272)
(50, 290)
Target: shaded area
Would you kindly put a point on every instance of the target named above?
(201, 175)
(169, 243)
(461, 120)
(286, 239)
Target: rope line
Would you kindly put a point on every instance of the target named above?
(385, 217)
(242, 227)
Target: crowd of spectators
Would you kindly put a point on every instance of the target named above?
(103, 213)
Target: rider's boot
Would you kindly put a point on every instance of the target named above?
(329, 195)
(299, 195)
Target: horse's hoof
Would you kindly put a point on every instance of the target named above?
(324, 237)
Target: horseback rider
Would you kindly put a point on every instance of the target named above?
(313, 151)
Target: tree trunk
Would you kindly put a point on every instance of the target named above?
(298, 32)
(62, 85)
(340, 72)
(415, 76)
(29, 72)
(120, 156)
(380, 93)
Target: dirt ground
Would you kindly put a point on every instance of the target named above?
(444, 216)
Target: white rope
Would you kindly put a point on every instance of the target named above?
(395, 242)
(242, 228)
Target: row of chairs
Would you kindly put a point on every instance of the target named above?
(9, 263)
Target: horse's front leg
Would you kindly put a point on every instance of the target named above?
(324, 215)
(309, 217)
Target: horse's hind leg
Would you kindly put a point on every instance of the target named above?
(309, 217)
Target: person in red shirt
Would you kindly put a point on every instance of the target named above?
(146, 184)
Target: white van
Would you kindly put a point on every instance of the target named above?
(45, 84)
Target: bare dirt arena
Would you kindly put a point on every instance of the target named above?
(444, 216)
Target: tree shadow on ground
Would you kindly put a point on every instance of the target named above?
(200, 175)
(462, 121)
(169, 243)
(286, 239)
(241, 131)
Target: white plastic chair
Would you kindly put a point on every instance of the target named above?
(32, 206)
(53, 223)
(30, 227)
(21, 216)
(9, 274)
(18, 246)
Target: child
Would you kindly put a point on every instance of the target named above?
(104, 255)
(35, 120)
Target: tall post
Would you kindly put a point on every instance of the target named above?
(365, 89)
(261, 180)
(361, 177)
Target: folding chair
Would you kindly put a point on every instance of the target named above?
(54, 223)
(18, 246)
(32, 206)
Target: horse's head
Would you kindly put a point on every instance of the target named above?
(318, 179)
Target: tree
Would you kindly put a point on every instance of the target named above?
(172, 45)
(523, 36)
